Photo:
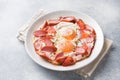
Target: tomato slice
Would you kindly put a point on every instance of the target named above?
(81, 24)
(84, 34)
(42, 42)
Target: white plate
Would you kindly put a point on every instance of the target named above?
(96, 51)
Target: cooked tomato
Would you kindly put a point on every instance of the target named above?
(81, 24)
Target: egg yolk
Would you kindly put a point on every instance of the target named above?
(68, 33)
(66, 46)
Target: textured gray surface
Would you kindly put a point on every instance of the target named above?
(15, 64)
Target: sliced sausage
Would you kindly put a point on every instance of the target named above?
(80, 50)
(37, 45)
(44, 55)
(60, 54)
(47, 42)
(49, 48)
(77, 56)
(84, 45)
(90, 47)
(51, 30)
(39, 33)
(52, 22)
(43, 26)
(60, 60)
(68, 19)
(68, 61)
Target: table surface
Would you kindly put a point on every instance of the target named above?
(15, 64)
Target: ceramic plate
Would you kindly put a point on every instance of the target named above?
(96, 51)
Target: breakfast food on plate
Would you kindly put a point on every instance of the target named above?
(64, 41)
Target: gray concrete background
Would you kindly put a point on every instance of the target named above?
(15, 64)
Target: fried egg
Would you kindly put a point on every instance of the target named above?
(66, 36)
